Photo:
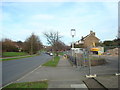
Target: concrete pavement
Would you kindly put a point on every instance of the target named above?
(106, 72)
(62, 76)
(109, 81)
(66, 76)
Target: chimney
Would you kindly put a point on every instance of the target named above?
(92, 33)
(82, 37)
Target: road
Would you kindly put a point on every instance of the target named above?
(111, 67)
(15, 69)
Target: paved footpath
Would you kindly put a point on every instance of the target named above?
(62, 76)
(66, 76)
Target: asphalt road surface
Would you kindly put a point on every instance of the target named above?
(112, 66)
(15, 69)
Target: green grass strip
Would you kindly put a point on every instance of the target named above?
(38, 84)
(53, 62)
(61, 53)
(12, 54)
(94, 58)
(6, 59)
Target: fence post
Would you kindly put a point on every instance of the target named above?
(89, 61)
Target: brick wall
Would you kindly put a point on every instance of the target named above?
(89, 40)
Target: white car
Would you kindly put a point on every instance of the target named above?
(51, 54)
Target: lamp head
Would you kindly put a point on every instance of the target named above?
(73, 32)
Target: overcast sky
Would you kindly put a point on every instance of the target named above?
(20, 19)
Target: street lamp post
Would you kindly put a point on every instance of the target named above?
(73, 34)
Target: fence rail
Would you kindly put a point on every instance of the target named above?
(96, 64)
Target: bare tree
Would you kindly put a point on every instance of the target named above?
(32, 44)
(53, 39)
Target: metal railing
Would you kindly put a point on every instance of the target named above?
(96, 64)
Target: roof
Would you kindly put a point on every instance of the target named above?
(91, 33)
(84, 37)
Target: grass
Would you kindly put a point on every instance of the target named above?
(16, 58)
(96, 58)
(52, 63)
(61, 53)
(12, 54)
(38, 84)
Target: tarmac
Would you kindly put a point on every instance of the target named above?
(67, 76)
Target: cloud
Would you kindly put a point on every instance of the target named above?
(60, 0)
(37, 18)
(42, 17)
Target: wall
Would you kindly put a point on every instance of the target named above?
(89, 41)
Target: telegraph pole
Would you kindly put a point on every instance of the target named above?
(31, 45)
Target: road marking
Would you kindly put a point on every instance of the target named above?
(28, 73)
(6, 85)
(23, 77)
(78, 86)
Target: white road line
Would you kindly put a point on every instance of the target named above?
(78, 86)
(28, 73)
(23, 77)
(6, 85)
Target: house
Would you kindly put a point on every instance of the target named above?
(88, 41)
(19, 45)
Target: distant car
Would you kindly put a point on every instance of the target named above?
(47, 52)
(51, 54)
(108, 53)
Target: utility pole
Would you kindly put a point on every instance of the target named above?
(53, 55)
(73, 34)
(72, 45)
(31, 45)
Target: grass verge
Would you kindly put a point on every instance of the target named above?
(12, 54)
(53, 62)
(95, 61)
(96, 58)
(61, 53)
(6, 59)
(38, 84)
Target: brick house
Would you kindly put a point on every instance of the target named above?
(88, 41)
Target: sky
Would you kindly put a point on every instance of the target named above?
(20, 19)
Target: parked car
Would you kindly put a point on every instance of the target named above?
(48, 53)
(51, 54)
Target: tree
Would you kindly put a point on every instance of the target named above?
(111, 44)
(9, 46)
(116, 42)
(53, 39)
(32, 44)
(59, 46)
(108, 43)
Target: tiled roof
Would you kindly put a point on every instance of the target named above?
(91, 32)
